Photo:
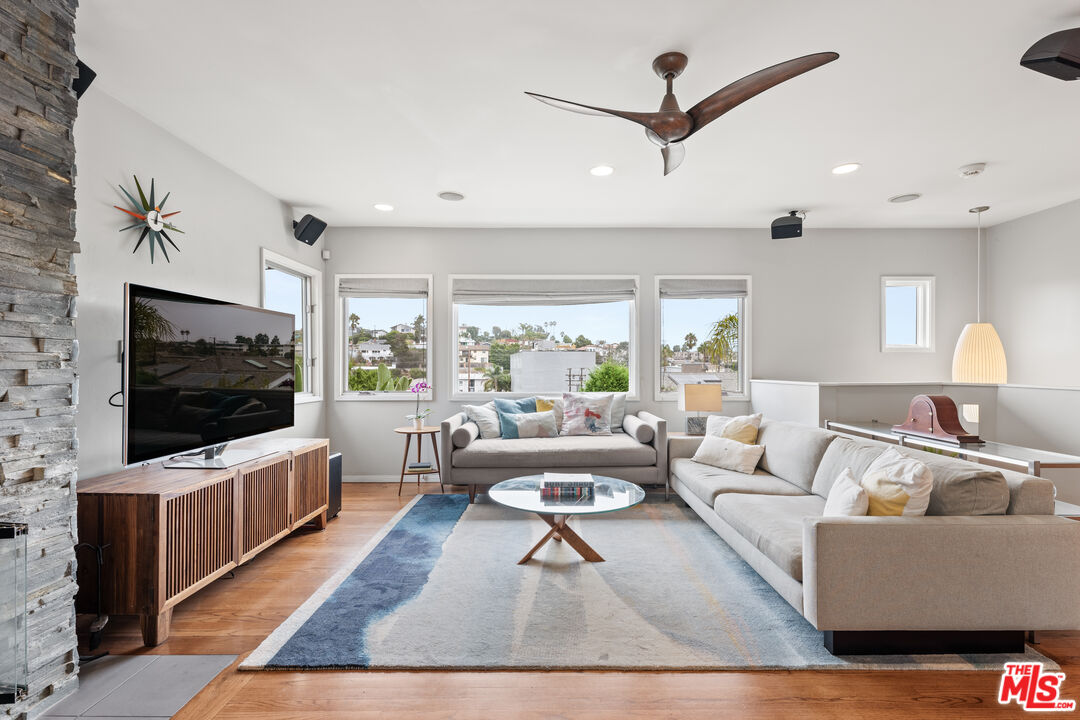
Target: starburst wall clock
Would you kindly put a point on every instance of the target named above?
(150, 219)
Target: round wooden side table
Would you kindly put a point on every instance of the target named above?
(408, 432)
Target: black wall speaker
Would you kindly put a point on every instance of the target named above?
(788, 226)
(82, 80)
(308, 229)
(1056, 55)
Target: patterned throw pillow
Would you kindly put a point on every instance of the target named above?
(505, 406)
(586, 414)
(529, 425)
(743, 428)
(897, 485)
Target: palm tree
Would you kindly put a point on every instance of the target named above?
(722, 345)
(665, 355)
(354, 323)
(689, 341)
(495, 380)
(150, 326)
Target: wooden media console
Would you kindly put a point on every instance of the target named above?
(171, 532)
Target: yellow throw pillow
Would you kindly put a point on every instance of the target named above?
(886, 497)
(544, 404)
(897, 485)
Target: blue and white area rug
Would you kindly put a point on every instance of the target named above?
(439, 588)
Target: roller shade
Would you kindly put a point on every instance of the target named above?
(543, 291)
(381, 287)
(688, 288)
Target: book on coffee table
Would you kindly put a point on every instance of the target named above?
(567, 480)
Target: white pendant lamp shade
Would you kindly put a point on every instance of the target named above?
(979, 356)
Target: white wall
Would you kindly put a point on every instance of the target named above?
(815, 310)
(226, 220)
(1033, 295)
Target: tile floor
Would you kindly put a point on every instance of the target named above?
(138, 687)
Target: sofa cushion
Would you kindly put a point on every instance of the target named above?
(845, 453)
(707, 482)
(962, 487)
(772, 524)
(793, 451)
(564, 451)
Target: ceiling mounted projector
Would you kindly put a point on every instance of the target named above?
(787, 226)
(1056, 55)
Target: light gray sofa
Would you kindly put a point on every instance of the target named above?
(988, 561)
(638, 454)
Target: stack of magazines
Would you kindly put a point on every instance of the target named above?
(567, 487)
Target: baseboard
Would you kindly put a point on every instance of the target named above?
(369, 478)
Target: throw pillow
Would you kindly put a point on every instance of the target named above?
(485, 418)
(618, 411)
(728, 454)
(586, 414)
(897, 485)
(529, 425)
(846, 497)
(555, 404)
(743, 428)
(465, 434)
(638, 429)
(505, 406)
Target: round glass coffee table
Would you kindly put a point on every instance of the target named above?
(523, 493)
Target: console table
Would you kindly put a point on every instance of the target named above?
(1028, 460)
(170, 532)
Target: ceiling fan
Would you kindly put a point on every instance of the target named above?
(669, 126)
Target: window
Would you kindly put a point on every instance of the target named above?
(543, 334)
(383, 336)
(907, 313)
(291, 287)
(704, 333)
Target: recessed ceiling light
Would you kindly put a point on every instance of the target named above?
(601, 170)
(383, 207)
(451, 196)
(845, 168)
(907, 197)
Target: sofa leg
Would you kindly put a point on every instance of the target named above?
(472, 493)
(923, 642)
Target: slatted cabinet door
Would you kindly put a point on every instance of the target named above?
(265, 512)
(198, 535)
(310, 483)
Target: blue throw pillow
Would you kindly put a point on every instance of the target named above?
(504, 406)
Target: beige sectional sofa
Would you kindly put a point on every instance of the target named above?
(988, 561)
(638, 453)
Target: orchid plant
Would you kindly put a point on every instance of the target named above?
(416, 388)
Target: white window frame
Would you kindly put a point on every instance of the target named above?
(341, 362)
(451, 376)
(925, 311)
(312, 321)
(745, 344)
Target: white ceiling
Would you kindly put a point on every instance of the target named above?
(334, 105)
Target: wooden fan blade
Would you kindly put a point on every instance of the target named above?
(645, 119)
(673, 156)
(742, 90)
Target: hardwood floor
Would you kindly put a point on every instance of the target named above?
(235, 615)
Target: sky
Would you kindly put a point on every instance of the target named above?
(381, 313)
(221, 322)
(697, 316)
(284, 293)
(901, 306)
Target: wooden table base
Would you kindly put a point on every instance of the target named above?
(559, 531)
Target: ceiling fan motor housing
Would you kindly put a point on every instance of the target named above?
(1056, 55)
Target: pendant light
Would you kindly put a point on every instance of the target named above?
(979, 356)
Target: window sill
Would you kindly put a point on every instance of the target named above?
(907, 349)
(372, 396)
(483, 397)
(674, 397)
(306, 399)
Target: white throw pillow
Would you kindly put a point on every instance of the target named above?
(728, 454)
(486, 418)
(897, 485)
(847, 497)
(532, 425)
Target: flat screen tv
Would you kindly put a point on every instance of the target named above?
(199, 373)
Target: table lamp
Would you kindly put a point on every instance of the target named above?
(702, 397)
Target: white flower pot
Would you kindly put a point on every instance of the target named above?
(418, 423)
